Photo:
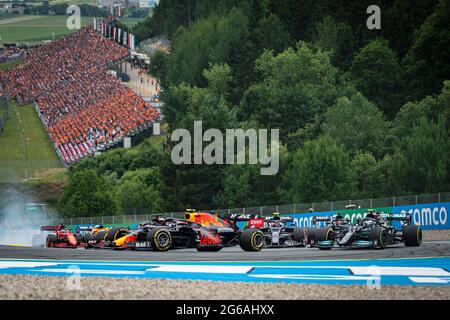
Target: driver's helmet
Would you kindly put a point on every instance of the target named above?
(276, 216)
(371, 214)
(339, 219)
(159, 220)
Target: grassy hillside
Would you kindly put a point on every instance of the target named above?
(25, 149)
(34, 28)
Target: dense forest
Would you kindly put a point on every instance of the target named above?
(362, 113)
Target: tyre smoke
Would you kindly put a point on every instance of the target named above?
(19, 227)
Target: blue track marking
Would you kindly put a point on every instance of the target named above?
(416, 272)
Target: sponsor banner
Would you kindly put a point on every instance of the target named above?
(304, 220)
(428, 216)
(354, 214)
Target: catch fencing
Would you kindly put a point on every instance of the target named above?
(142, 214)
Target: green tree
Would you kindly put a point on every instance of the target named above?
(421, 161)
(402, 19)
(320, 171)
(295, 86)
(430, 107)
(87, 195)
(337, 37)
(158, 64)
(140, 191)
(270, 34)
(377, 74)
(371, 177)
(358, 124)
(195, 185)
(426, 63)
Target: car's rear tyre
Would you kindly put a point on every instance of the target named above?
(311, 236)
(251, 240)
(100, 235)
(160, 238)
(86, 238)
(50, 240)
(412, 235)
(209, 249)
(116, 233)
(324, 234)
(379, 236)
(299, 235)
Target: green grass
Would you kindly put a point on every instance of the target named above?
(131, 22)
(25, 149)
(36, 30)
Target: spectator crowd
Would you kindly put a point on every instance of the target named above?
(83, 106)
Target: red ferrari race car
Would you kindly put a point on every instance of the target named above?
(57, 237)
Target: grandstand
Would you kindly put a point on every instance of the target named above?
(84, 108)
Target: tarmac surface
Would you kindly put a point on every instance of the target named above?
(427, 249)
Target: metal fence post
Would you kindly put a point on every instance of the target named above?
(276, 208)
(102, 219)
(371, 203)
(294, 209)
(91, 220)
(331, 206)
(416, 199)
(113, 219)
(439, 197)
(393, 201)
(261, 211)
(71, 221)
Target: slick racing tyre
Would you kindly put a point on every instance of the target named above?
(324, 234)
(311, 236)
(379, 236)
(251, 240)
(116, 233)
(412, 236)
(50, 240)
(209, 248)
(160, 238)
(299, 235)
(86, 238)
(100, 235)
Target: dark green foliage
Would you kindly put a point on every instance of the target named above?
(422, 159)
(87, 195)
(426, 63)
(362, 113)
(357, 124)
(320, 171)
(377, 74)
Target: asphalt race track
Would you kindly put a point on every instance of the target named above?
(427, 249)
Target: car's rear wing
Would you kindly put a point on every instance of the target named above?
(397, 217)
(238, 217)
(280, 218)
(321, 219)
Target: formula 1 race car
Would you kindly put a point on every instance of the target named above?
(336, 223)
(103, 237)
(375, 230)
(276, 229)
(57, 237)
(200, 230)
